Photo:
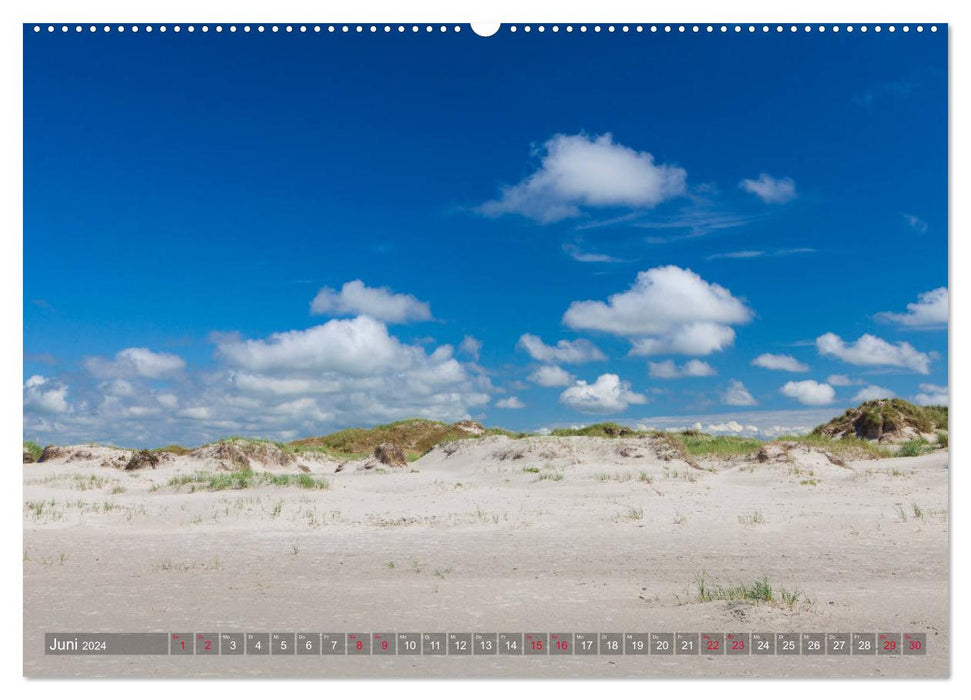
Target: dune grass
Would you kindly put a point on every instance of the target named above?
(846, 448)
(602, 430)
(699, 444)
(234, 481)
(416, 437)
(758, 592)
(33, 449)
(913, 448)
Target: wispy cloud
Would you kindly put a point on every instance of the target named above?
(580, 255)
(893, 89)
(915, 222)
(748, 254)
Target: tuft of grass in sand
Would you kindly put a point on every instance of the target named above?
(634, 513)
(760, 591)
(551, 476)
(942, 438)
(753, 518)
(208, 481)
(913, 448)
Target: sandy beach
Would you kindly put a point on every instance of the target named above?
(539, 534)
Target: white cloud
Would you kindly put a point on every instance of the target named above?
(381, 303)
(551, 375)
(869, 350)
(357, 347)
(117, 387)
(579, 171)
(471, 347)
(691, 339)
(511, 402)
(666, 310)
(669, 370)
(607, 395)
(841, 380)
(932, 395)
(809, 392)
(871, 392)
(583, 256)
(168, 400)
(916, 223)
(737, 395)
(568, 351)
(135, 362)
(786, 363)
(45, 395)
(298, 383)
(929, 311)
(196, 413)
(771, 190)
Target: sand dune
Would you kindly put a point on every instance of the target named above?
(536, 534)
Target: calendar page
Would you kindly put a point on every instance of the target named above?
(587, 350)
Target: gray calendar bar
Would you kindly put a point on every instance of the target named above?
(806, 644)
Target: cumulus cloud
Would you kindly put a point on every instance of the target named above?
(510, 402)
(785, 363)
(567, 351)
(929, 311)
(135, 362)
(809, 392)
(669, 370)
(737, 395)
(771, 190)
(551, 375)
(871, 392)
(841, 380)
(45, 395)
(932, 395)
(578, 171)
(381, 303)
(358, 347)
(286, 385)
(870, 350)
(471, 347)
(667, 310)
(691, 339)
(606, 395)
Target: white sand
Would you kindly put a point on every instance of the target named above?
(466, 539)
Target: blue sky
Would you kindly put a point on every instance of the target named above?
(286, 234)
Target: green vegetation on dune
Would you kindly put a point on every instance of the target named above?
(873, 420)
(173, 449)
(846, 448)
(698, 444)
(33, 449)
(415, 437)
(602, 430)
